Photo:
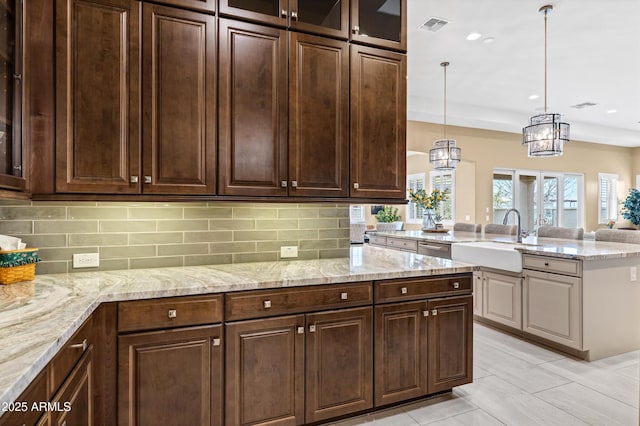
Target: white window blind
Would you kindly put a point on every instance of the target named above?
(356, 213)
(445, 181)
(607, 197)
(414, 182)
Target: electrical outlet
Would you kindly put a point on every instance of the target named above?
(86, 260)
(288, 251)
(633, 273)
(467, 217)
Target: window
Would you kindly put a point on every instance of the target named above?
(502, 194)
(414, 213)
(607, 197)
(356, 213)
(445, 181)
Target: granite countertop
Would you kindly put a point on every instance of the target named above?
(554, 247)
(37, 318)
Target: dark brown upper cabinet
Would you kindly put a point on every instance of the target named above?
(11, 38)
(318, 116)
(381, 23)
(378, 123)
(97, 96)
(179, 101)
(326, 17)
(204, 5)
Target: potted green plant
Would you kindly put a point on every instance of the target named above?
(388, 218)
(631, 207)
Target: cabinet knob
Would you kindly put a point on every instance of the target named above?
(356, 29)
(403, 290)
(283, 183)
(147, 179)
(133, 179)
(546, 264)
(284, 13)
(266, 304)
(456, 285)
(84, 345)
(344, 296)
(312, 328)
(300, 330)
(294, 183)
(173, 313)
(425, 313)
(216, 341)
(434, 312)
(294, 15)
(356, 185)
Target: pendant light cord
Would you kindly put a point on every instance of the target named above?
(444, 128)
(545, 60)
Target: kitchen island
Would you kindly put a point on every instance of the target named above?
(38, 319)
(580, 296)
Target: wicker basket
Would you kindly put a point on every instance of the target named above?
(18, 265)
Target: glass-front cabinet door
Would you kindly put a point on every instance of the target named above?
(11, 95)
(380, 23)
(326, 17)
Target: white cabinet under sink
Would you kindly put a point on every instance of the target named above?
(498, 297)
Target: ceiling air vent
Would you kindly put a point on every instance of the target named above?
(433, 24)
(583, 105)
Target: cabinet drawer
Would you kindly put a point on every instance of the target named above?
(402, 244)
(377, 240)
(418, 288)
(554, 265)
(168, 313)
(68, 356)
(266, 303)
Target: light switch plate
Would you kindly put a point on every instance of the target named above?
(288, 251)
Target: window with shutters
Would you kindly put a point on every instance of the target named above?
(414, 212)
(607, 197)
(356, 213)
(445, 181)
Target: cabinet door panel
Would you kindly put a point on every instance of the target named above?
(450, 342)
(478, 301)
(265, 372)
(77, 393)
(274, 12)
(552, 307)
(339, 363)
(97, 96)
(253, 109)
(179, 101)
(401, 352)
(502, 299)
(170, 377)
(205, 5)
(380, 23)
(319, 116)
(378, 123)
(326, 17)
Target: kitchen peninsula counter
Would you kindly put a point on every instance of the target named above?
(37, 318)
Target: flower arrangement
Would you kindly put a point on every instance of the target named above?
(429, 201)
(610, 224)
(631, 207)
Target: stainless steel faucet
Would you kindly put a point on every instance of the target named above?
(504, 222)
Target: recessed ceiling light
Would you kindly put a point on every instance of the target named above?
(488, 40)
(474, 36)
(611, 111)
(534, 96)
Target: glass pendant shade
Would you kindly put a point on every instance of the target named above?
(545, 135)
(445, 155)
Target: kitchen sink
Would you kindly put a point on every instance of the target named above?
(492, 254)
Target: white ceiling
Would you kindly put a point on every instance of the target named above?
(593, 56)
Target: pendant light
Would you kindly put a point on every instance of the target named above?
(445, 155)
(546, 134)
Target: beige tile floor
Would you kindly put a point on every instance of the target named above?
(518, 383)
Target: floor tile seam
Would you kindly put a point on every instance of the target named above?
(515, 355)
(528, 391)
(474, 407)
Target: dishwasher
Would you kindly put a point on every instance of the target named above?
(434, 249)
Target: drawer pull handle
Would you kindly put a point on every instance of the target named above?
(300, 330)
(312, 329)
(216, 341)
(173, 313)
(84, 345)
(344, 296)
(456, 285)
(425, 313)
(437, 248)
(434, 312)
(266, 304)
(403, 290)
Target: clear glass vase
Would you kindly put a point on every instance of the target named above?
(428, 223)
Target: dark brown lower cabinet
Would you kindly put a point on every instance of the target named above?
(265, 372)
(450, 340)
(401, 352)
(339, 363)
(171, 377)
(76, 395)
